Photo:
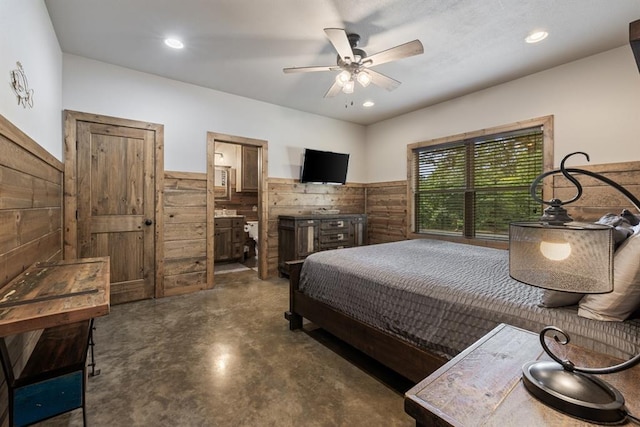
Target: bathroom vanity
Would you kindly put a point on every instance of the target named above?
(228, 238)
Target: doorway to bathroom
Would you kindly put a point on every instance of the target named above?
(236, 204)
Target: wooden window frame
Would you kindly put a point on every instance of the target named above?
(546, 122)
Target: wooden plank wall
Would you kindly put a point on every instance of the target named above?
(384, 202)
(386, 211)
(387, 201)
(598, 198)
(185, 227)
(30, 222)
(290, 197)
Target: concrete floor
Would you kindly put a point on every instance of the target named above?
(225, 357)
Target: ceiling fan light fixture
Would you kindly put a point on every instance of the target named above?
(343, 78)
(348, 86)
(363, 78)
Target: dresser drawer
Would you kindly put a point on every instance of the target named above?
(332, 235)
(222, 222)
(229, 222)
(334, 225)
(336, 239)
(336, 245)
(292, 223)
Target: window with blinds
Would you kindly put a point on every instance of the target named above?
(475, 187)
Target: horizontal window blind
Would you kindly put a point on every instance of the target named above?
(441, 184)
(475, 187)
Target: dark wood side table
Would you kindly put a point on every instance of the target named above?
(482, 386)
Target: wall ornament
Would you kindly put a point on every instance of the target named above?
(20, 86)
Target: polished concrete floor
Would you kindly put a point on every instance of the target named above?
(225, 357)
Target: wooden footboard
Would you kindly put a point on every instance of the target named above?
(404, 358)
(295, 319)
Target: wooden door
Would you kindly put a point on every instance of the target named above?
(223, 244)
(116, 204)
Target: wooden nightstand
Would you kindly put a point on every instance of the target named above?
(483, 385)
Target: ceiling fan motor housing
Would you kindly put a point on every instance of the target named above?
(353, 39)
(358, 54)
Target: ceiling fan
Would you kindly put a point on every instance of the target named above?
(354, 64)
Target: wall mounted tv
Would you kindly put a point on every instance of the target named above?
(324, 167)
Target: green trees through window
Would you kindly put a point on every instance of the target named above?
(474, 188)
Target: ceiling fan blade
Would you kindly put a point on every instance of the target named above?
(339, 40)
(383, 81)
(333, 90)
(402, 51)
(310, 69)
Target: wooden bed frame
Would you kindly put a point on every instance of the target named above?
(413, 362)
(404, 358)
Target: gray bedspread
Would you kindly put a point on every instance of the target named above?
(444, 296)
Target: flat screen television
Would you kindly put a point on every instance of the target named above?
(324, 167)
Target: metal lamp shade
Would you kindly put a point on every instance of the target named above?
(575, 257)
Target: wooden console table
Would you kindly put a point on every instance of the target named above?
(482, 386)
(55, 293)
(61, 299)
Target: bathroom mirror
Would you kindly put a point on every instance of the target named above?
(221, 183)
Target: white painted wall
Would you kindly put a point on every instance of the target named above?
(595, 102)
(27, 36)
(188, 112)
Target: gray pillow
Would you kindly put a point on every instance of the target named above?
(625, 297)
(622, 228)
(633, 219)
(551, 299)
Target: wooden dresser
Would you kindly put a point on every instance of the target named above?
(301, 235)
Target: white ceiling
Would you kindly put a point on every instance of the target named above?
(241, 46)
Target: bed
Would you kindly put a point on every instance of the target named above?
(403, 304)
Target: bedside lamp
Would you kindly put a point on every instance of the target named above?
(557, 254)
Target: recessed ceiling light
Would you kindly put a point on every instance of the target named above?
(368, 104)
(174, 43)
(536, 36)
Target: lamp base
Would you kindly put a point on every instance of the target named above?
(580, 395)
